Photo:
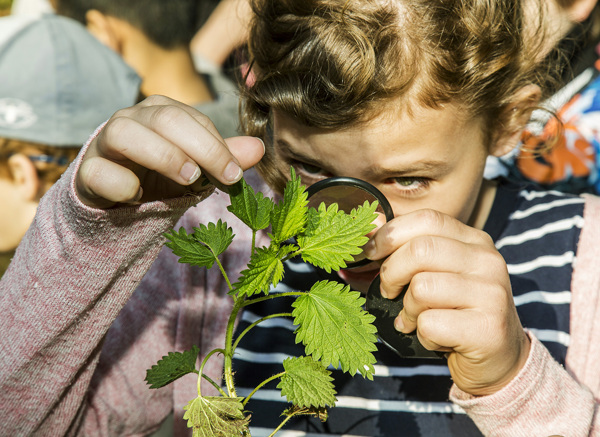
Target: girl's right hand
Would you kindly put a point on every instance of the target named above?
(158, 149)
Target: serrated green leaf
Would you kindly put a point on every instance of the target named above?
(216, 416)
(332, 237)
(250, 207)
(306, 383)
(171, 367)
(334, 327)
(289, 215)
(217, 237)
(264, 270)
(203, 246)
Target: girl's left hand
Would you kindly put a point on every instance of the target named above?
(459, 297)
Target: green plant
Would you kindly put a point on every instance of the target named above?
(325, 237)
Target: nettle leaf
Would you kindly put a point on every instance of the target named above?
(264, 270)
(217, 237)
(250, 207)
(171, 367)
(203, 246)
(289, 215)
(216, 416)
(334, 327)
(332, 236)
(307, 383)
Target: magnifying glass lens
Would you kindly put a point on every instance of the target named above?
(347, 198)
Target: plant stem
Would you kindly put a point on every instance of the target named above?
(237, 305)
(273, 296)
(281, 425)
(201, 374)
(215, 385)
(271, 316)
(224, 273)
(266, 381)
(253, 243)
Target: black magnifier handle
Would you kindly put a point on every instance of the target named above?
(385, 312)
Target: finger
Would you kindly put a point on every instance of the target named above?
(448, 329)
(101, 183)
(177, 127)
(157, 100)
(247, 150)
(124, 139)
(403, 228)
(446, 291)
(438, 254)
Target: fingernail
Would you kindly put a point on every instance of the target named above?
(190, 172)
(139, 195)
(263, 144)
(398, 323)
(369, 248)
(232, 173)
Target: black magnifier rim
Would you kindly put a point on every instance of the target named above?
(355, 183)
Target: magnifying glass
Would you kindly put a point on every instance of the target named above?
(349, 193)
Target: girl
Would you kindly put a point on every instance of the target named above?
(410, 96)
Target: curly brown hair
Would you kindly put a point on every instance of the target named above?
(335, 63)
(48, 172)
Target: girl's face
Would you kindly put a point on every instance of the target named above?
(434, 159)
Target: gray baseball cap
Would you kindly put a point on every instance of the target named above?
(57, 82)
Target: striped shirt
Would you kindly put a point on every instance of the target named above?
(535, 231)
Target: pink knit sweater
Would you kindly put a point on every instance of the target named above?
(86, 310)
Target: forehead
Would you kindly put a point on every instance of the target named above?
(393, 133)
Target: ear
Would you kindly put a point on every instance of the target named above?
(102, 27)
(24, 176)
(580, 10)
(513, 120)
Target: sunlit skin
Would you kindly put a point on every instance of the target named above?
(435, 161)
(430, 167)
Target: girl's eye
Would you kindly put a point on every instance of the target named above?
(309, 173)
(310, 169)
(410, 184)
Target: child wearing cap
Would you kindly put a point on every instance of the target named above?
(153, 37)
(58, 84)
(409, 96)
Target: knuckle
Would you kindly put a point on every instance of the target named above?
(166, 158)
(427, 325)
(422, 248)
(115, 129)
(165, 115)
(420, 287)
(157, 100)
(431, 219)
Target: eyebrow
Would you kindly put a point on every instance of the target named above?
(298, 156)
(427, 166)
(440, 167)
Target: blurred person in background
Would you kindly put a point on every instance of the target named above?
(153, 37)
(573, 163)
(224, 31)
(58, 84)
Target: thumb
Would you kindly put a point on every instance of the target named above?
(247, 150)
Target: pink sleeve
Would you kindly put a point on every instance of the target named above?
(70, 277)
(543, 400)
(546, 399)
